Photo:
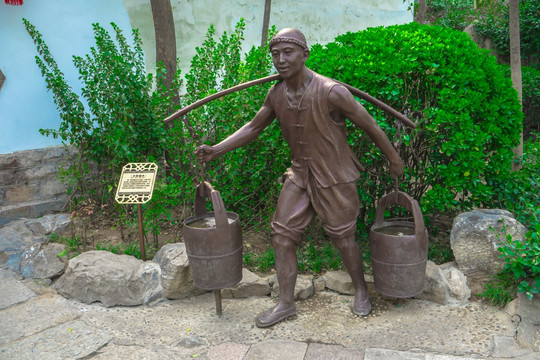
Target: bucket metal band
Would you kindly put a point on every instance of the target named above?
(401, 265)
(213, 257)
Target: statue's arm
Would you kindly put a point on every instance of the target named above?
(242, 136)
(340, 101)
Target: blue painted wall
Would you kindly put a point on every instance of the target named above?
(66, 26)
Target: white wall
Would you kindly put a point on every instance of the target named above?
(25, 104)
(320, 20)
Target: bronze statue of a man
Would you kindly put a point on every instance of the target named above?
(311, 110)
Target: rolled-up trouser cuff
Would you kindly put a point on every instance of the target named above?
(341, 231)
(282, 230)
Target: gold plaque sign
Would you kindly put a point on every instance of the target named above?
(136, 183)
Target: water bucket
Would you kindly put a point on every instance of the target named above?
(399, 249)
(213, 242)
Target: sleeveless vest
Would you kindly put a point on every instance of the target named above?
(318, 144)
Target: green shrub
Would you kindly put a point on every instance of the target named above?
(500, 291)
(531, 99)
(247, 176)
(123, 122)
(467, 112)
(517, 191)
(495, 24)
(521, 271)
(451, 14)
(315, 258)
(522, 261)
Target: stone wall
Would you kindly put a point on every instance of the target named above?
(29, 184)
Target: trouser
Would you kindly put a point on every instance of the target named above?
(337, 206)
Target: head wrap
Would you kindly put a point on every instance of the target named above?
(297, 38)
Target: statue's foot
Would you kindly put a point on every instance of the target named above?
(362, 305)
(275, 315)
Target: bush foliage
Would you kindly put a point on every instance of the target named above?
(249, 173)
(467, 112)
(531, 100)
(495, 24)
(122, 107)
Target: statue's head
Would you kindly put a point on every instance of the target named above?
(289, 52)
(289, 35)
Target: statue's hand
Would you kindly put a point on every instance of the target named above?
(396, 168)
(205, 153)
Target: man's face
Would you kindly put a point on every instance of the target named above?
(288, 58)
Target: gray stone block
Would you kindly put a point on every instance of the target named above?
(111, 279)
(13, 291)
(72, 340)
(277, 350)
(507, 347)
(250, 285)
(42, 261)
(46, 312)
(48, 224)
(176, 277)
(339, 281)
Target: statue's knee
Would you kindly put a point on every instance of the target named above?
(280, 242)
(343, 243)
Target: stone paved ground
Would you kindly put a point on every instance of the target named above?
(37, 323)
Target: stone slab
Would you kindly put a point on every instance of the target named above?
(30, 209)
(136, 352)
(277, 350)
(34, 316)
(334, 352)
(227, 351)
(506, 346)
(447, 357)
(385, 354)
(71, 340)
(13, 291)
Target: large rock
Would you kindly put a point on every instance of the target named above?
(435, 285)
(15, 238)
(445, 285)
(476, 236)
(48, 224)
(111, 279)
(176, 277)
(19, 236)
(339, 281)
(11, 248)
(457, 283)
(250, 285)
(42, 262)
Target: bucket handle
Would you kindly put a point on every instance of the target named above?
(404, 200)
(203, 191)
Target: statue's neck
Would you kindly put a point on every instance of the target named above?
(300, 82)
